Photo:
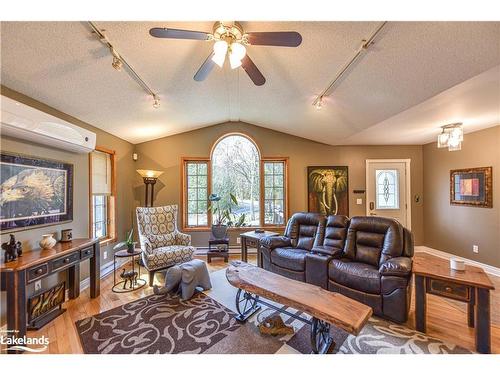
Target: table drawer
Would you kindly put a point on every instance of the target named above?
(86, 253)
(449, 289)
(37, 272)
(65, 261)
(252, 242)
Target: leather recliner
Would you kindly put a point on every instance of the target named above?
(286, 255)
(375, 265)
(364, 258)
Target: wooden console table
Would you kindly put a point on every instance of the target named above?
(37, 264)
(433, 275)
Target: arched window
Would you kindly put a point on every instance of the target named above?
(235, 170)
(235, 167)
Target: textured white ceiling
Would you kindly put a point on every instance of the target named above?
(63, 65)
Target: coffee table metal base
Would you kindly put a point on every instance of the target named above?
(248, 304)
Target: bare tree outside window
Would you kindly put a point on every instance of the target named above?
(235, 170)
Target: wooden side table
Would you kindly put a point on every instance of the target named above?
(252, 239)
(433, 275)
(218, 242)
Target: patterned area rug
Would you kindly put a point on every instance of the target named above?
(207, 324)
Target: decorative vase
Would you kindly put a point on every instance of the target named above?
(219, 231)
(48, 241)
(131, 248)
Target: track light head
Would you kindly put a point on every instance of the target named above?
(117, 63)
(319, 103)
(156, 103)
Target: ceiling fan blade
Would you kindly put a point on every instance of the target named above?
(276, 38)
(205, 69)
(252, 71)
(161, 32)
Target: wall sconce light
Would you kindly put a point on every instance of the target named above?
(451, 136)
(149, 177)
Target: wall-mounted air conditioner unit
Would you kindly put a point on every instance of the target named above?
(24, 122)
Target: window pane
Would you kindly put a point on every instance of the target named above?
(387, 189)
(197, 193)
(99, 218)
(235, 170)
(274, 178)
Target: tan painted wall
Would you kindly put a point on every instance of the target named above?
(455, 229)
(165, 154)
(80, 223)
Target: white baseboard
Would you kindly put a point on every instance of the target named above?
(106, 269)
(495, 271)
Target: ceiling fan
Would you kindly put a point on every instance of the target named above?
(230, 39)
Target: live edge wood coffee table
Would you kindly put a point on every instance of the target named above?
(433, 275)
(325, 307)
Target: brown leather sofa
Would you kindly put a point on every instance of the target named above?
(364, 258)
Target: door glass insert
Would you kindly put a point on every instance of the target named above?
(387, 189)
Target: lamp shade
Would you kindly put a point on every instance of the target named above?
(149, 173)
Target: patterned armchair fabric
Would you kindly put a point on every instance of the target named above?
(161, 242)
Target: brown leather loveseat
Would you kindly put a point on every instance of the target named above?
(365, 258)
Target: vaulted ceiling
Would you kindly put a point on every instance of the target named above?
(416, 77)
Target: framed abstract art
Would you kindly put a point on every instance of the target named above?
(34, 192)
(471, 187)
(328, 190)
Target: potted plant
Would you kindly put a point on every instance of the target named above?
(129, 244)
(223, 215)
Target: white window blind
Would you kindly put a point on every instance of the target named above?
(101, 173)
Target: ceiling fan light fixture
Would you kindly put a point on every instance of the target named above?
(237, 52)
(220, 51)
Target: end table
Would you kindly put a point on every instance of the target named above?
(136, 282)
(252, 239)
(218, 252)
(433, 275)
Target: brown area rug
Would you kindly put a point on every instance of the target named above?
(207, 324)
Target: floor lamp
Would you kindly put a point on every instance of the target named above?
(149, 177)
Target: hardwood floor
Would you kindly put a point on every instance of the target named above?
(445, 319)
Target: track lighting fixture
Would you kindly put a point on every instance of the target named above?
(365, 44)
(319, 103)
(156, 103)
(119, 61)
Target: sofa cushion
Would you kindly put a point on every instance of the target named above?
(336, 231)
(360, 276)
(289, 257)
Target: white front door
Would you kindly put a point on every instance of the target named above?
(387, 182)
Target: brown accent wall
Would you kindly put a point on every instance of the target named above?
(455, 229)
(80, 224)
(165, 154)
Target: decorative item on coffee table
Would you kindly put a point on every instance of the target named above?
(132, 277)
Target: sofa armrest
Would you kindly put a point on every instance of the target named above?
(183, 238)
(272, 242)
(327, 250)
(400, 266)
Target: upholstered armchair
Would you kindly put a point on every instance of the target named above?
(161, 242)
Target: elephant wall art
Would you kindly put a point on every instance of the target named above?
(328, 190)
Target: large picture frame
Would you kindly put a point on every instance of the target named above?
(328, 190)
(472, 187)
(34, 192)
